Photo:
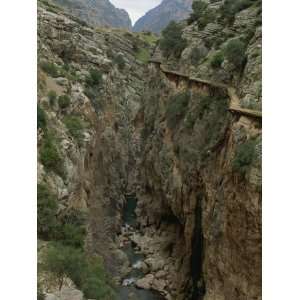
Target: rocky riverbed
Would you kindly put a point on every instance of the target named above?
(141, 281)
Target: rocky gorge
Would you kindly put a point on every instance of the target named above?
(113, 124)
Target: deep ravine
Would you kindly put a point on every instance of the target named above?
(166, 177)
(128, 290)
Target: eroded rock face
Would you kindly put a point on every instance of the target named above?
(98, 165)
(97, 13)
(201, 219)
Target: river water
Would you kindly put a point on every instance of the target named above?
(128, 290)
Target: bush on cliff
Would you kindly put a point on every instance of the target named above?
(234, 51)
(94, 78)
(50, 156)
(86, 272)
(195, 55)
(172, 42)
(41, 118)
(119, 61)
(217, 60)
(75, 127)
(244, 157)
(198, 8)
(177, 108)
(231, 7)
(64, 101)
(64, 261)
(50, 68)
(46, 212)
(202, 14)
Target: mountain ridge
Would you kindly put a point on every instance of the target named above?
(158, 18)
(97, 12)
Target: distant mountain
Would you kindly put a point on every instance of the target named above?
(97, 12)
(159, 17)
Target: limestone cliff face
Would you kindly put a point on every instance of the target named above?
(97, 13)
(200, 205)
(204, 216)
(97, 158)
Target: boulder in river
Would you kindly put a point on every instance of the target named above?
(146, 282)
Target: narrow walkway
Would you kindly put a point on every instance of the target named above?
(234, 105)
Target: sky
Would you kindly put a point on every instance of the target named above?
(136, 8)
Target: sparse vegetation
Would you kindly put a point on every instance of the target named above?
(75, 126)
(46, 212)
(94, 78)
(177, 108)
(50, 156)
(50, 68)
(119, 61)
(231, 7)
(198, 9)
(217, 60)
(244, 157)
(143, 55)
(234, 51)
(202, 14)
(64, 101)
(195, 55)
(172, 42)
(87, 273)
(41, 118)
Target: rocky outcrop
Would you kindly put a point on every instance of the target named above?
(159, 17)
(97, 13)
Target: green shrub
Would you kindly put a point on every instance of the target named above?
(46, 212)
(87, 273)
(64, 261)
(41, 118)
(202, 14)
(172, 42)
(231, 7)
(235, 52)
(143, 55)
(207, 17)
(72, 235)
(217, 60)
(244, 157)
(195, 55)
(71, 229)
(177, 108)
(198, 8)
(64, 101)
(119, 60)
(52, 97)
(96, 285)
(50, 157)
(74, 126)
(94, 78)
(50, 68)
